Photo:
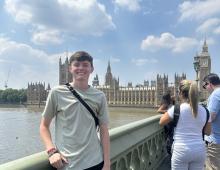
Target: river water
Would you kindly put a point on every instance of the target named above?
(19, 128)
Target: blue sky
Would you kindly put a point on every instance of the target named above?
(141, 38)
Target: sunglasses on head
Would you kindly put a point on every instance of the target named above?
(205, 85)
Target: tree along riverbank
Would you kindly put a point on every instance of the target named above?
(13, 96)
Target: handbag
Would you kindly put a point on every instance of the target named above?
(83, 103)
(207, 119)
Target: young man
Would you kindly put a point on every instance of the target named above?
(76, 145)
(212, 85)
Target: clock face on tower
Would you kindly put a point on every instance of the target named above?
(204, 63)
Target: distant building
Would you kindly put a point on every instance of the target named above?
(203, 69)
(64, 75)
(95, 81)
(37, 93)
(148, 94)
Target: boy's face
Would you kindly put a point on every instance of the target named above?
(80, 70)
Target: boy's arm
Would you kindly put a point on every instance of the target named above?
(55, 158)
(45, 133)
(105, 140)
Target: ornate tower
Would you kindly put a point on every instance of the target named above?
(64, 74)
(204, 68)
(95, 81)
(177, 80)
(36, 93)
(161, 87)
(108, 76)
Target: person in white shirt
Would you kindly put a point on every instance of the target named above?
(189, 151)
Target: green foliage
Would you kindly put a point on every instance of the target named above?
(13, 96)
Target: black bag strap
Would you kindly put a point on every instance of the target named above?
(207, 119)
(176, 114)
(83, 103)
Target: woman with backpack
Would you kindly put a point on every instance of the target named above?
(166, 102)
(189, 151)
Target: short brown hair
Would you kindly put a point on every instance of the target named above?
(212, 78)
(81, 56)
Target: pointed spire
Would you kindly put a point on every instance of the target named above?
(109, 67)
(205, 47)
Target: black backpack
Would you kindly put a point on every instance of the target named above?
(169, 128)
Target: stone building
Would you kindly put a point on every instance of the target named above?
(37, 93)
(64, 75)
(202, 65)
(141, 95)
(148, 94)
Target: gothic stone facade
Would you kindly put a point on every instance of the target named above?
(204, 68)
(147, 95)
(37, 93)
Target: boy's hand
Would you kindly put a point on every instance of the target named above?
(106, 167)
(57, 160)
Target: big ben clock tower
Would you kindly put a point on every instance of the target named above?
(204, 68)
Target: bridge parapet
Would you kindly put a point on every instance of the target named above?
(138, 145)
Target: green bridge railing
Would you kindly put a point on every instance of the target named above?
(138, 145)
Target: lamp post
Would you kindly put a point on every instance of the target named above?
(197, 68)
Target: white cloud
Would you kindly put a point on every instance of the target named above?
(209, 25)
(26, 64)
(21, 12)
(196, 10)
(47, 36)
(143, 61)
(139, 62)
(217, 30)
(67, 17)
(168, 41)
(131, 5)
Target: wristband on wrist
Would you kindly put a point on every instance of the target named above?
(52, 151)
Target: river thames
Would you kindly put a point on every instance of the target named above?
(19, 128)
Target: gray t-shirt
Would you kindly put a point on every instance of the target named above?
(75, 132)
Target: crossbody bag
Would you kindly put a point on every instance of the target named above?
(83, 103)
(207, 119)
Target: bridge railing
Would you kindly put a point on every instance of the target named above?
(138, 145)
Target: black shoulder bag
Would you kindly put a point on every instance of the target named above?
(207, 119)
(169, 128)
(83, 103)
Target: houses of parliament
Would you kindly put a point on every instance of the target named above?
(148, 94)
